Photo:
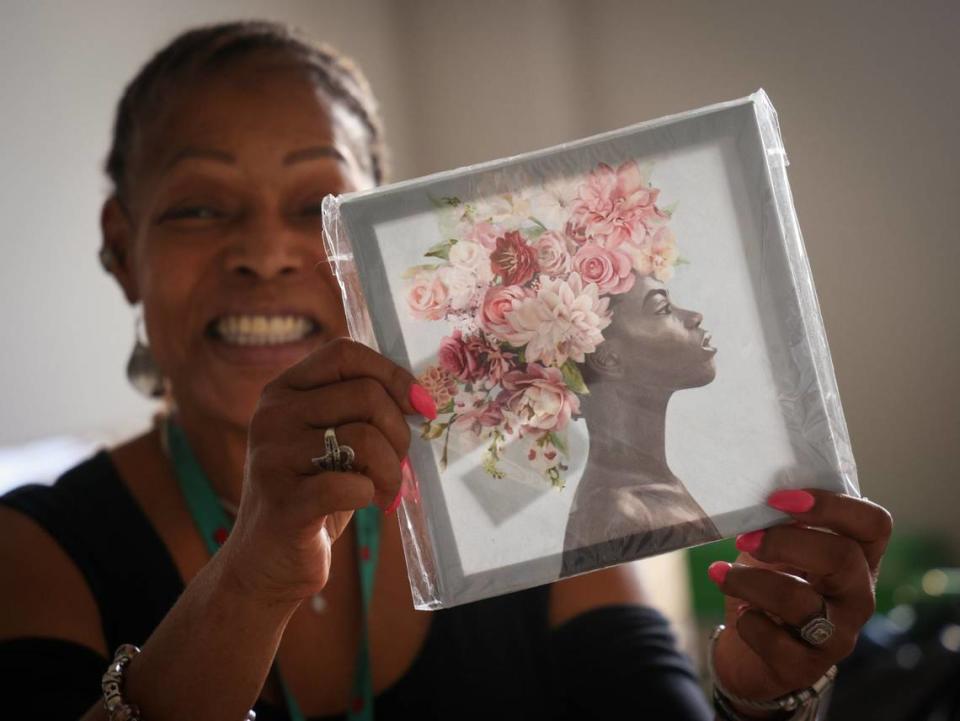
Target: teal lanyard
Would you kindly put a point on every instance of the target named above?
(214, 525)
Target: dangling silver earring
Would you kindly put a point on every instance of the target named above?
(142, 371)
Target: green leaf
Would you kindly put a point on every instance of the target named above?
(430, 431)
(573, 379)
(668, 211)
(681, 261)
(558, 442)
(543, 228)
(448, 408)
(441, 250)
(445, 201)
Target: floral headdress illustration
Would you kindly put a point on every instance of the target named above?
(525, 281)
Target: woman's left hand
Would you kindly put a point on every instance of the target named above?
(786, 575)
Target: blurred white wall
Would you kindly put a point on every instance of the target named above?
(869, 106)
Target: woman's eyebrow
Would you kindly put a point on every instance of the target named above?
(313, 152)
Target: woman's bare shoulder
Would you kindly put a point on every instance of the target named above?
(44, 592)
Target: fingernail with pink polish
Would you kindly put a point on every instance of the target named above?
(394, 505)
(718, 570)
(750, 542)
(422, 402)
(791, 501)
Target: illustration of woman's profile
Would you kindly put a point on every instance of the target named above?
(559, 310)
(628, 503)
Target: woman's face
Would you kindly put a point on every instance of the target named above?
(660, 344)
(225, 249)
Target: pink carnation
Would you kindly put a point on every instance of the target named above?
(552, 256)
(610, 269)
(513, 260)
(538, 398)
(613, 207)
(428, 296)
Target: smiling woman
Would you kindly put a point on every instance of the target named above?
(200, 540)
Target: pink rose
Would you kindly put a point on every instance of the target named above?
(552, 256)
(513, 260)
(497, 302)
(613, 206)
(428, 296)
(538, 398)
(461, 359)
(610, 269)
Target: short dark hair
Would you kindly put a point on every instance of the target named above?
(216, 46)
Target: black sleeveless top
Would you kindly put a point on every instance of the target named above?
(494, 658)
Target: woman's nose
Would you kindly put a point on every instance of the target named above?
(692, 319)
(268, 250)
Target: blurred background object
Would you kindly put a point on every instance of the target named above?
(868, 95)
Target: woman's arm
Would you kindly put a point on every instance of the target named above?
(210, 655)
(217, 636)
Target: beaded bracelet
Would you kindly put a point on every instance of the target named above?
(112, 684)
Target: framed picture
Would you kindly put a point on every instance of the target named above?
(622, 338)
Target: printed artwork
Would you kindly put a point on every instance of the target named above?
(621, 339)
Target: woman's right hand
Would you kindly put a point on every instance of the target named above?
(291, 513)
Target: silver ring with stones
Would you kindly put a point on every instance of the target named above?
(817, 629)
(337, 457)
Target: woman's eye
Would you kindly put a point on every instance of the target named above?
(192, 212)
(665, 309)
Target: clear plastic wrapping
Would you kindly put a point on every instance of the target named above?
(623, 340)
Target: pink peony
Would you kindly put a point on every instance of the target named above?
(563, 320)
(428, 296)
(463, 286)
(461, 359)
(552, 256)
(476, 412)
(613, 206)
(538, 398)
(610, 269)
(656, 257)
(471, 257)
(513, 260)
(484, 234)
(497, 302)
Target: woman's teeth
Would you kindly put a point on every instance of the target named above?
(705, 343)
(263, 329)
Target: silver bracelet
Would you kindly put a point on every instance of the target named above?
(785, 704)
(112, 684)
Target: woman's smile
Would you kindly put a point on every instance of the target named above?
(262, 337)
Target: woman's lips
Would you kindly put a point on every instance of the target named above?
(705, 343)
